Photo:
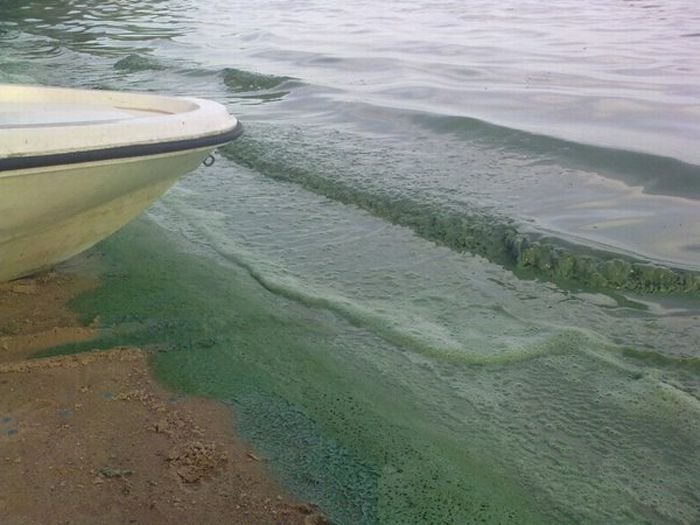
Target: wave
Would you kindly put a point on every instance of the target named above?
(239, 80)
(415, 335)
(477, 231)
(395, 330)
(656, 174)
(133, 63)
(241, 83)
(256, 86)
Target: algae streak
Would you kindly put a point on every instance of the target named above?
(478, 232)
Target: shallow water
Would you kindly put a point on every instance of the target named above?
(433, 277)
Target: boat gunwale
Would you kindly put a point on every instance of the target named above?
(16, 163)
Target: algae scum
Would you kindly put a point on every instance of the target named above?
(450, 272)
(531, 423)
(330, 423)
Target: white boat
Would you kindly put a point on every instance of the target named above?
(76, 165)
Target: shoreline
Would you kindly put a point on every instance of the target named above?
(92, 435)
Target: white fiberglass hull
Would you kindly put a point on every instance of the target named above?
(72, 208)
(54, 204)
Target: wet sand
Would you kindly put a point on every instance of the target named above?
(91, 438)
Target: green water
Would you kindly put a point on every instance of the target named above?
(373, 432)
(337, 429)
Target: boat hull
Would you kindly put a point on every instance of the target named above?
(50, 214)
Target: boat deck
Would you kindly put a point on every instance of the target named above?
(34, 115)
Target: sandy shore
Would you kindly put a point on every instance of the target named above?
(92, 438)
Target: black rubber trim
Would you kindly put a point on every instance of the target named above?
(119, 152)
